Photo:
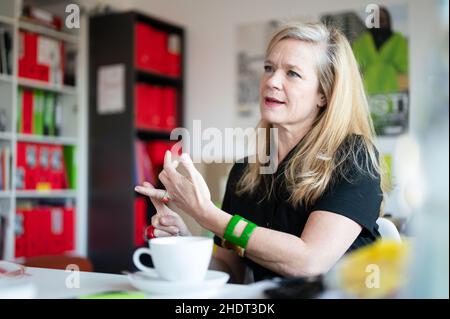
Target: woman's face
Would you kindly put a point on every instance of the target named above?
(289, 87)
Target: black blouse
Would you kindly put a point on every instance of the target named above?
(358, 197)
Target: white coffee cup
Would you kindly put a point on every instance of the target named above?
(178, 258)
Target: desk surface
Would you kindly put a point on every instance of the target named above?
(56, 284)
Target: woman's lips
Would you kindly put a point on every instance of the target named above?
(271, 102)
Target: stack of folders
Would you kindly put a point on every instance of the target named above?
(157, 51)
(41, 58)
(44, 230)
(38, 112)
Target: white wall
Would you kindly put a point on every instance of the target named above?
(211, 61)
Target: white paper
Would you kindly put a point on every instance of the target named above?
(49, 54)
(110, 89)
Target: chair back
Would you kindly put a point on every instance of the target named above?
(388, 230)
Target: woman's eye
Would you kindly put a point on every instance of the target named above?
(293, 74)
(267, 68)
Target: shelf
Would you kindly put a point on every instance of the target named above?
(6, 78)
(58, 140)
(5, 194)
(36, 84)
(7, 20)
(63, 36)
(46, 194)
(158, 23)
(120, 156)
(5, 136)
(72, 109)
(146, 134)
(160, 79)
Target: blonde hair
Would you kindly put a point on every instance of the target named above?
(322, 153)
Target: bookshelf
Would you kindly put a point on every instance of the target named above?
(114, 40)
(72, 97)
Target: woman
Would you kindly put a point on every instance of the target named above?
(325, 196)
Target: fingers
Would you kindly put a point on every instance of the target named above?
(169, 166)
(164, 179)
(147, 184)
(151, 192)
(161, 195)
(189, 166)
(172, 230)
(155, 195)
(168, 221)
(167, 224)
(161, 233)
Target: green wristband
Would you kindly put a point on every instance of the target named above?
(242, 240)
(230, 227)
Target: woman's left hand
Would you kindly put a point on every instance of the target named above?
(189, 193)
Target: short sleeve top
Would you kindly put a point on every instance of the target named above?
(358, 196)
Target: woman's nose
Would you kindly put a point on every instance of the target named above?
(275, 81)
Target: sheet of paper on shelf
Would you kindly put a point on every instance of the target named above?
(110, 89)
(49, 54)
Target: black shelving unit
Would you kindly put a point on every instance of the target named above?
(112, 137)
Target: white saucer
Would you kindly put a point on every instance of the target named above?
(151, 283)
(9, 269)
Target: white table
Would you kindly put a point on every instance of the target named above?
(57, 284)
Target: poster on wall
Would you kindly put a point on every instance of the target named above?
(382, 55)
(251, 43)
(251, 46)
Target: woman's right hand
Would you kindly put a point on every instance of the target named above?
(165, 221)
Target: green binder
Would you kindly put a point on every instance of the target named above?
(49, 119)
(38, 116)
(70, 155)
(19, 110)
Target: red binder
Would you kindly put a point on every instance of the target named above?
(20, 239)
(31, 51)
(161, 40)
(27, 165)
(23, 57)
(69, 228)
(43, 170)
(57, 174)
(140, 108)
(142, 37)
(34, 243)
(56, 229)
(44, 217)
(173, 55)
(27, 111)
(157, 150)
(154, 109)
(42, 72)
(174, 64)
(21, 166)
(170, 108)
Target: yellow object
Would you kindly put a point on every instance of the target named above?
(115, 295)
(41, 186)
(374, 271)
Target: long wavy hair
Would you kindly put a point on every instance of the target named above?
(320, 156)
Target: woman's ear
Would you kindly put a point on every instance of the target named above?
(322, 100)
